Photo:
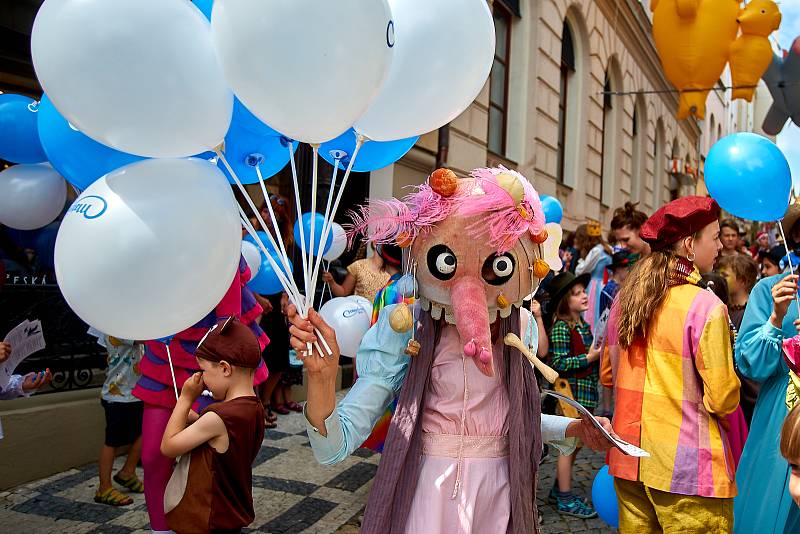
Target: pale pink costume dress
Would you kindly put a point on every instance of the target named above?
(456, 468)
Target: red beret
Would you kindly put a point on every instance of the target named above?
(678, 219)
(230, 341)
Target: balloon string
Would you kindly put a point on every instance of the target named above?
(283, 277)
(328, 215)
(291, 288)
(172, 371)
(789, 259)
(312, 290)
(299, 212)
(326, 230)
(274, 219)
(246, 195)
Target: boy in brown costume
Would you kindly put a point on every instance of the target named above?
(211, 488)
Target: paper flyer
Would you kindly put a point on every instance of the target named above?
(25, 339)
(624, 446)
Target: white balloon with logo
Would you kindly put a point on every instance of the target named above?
(149, 249)
(31, 196)
(349, 319)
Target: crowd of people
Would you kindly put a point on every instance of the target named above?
(691, 367)
(671, 325)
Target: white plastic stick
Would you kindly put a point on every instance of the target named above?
(789, 259)
(246, 195)
(172, 371)
(312, 290)
(326, 230)
(300, 219)
(268, 203)
(328, 215)
(284, 279)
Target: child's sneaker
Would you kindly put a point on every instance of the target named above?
(574, 506)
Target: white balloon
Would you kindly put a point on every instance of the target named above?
(349, 319)
(149, 249)
(443, 56)
(31, 196)
(307, 68)
(252, 255)
(339, 243)
(137, 75)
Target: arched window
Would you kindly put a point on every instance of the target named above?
(567, 72)
(638, 139)
(659, 165)
(612, 107)
(498, 81)
(712, 132)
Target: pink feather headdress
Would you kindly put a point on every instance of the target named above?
(510, 203)
(388, 221)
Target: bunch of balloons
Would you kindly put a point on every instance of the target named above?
(186, 95)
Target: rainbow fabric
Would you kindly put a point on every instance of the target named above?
(673, 389)
(387, 295)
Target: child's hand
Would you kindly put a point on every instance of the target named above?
(5, 351)
(594, 354)
(34, 381)
(193, 387)
(536, 308)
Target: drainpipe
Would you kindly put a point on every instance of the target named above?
(443, 146)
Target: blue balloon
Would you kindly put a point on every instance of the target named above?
(264, 239)
(319, 222)
(748, 176)
(19, 135)
(78, 158)
(372, 156)
(604, 497)
(204, 6)
(244, 151)
(244, 118)
(266, 281)
(250, 143)
(553, 212)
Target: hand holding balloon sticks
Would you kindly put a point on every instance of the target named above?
(286, 281)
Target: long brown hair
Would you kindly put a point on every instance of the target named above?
(790, 436)
(642, 295)
(584, 242)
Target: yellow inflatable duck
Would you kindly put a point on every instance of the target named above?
(693, 39)
(751, 53)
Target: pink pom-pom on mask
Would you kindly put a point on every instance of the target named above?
(470, 349)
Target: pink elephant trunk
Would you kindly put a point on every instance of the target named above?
(472, 321)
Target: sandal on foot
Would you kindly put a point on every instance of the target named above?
(281, 409)
(574, 506)
(269, 424)
(132, 483)
(295, 407)
(269, 415)
(112, 497)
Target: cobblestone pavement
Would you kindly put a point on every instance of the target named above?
(292, 494)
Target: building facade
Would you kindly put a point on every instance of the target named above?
(578, 102)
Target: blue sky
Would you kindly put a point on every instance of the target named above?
(789, 138)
